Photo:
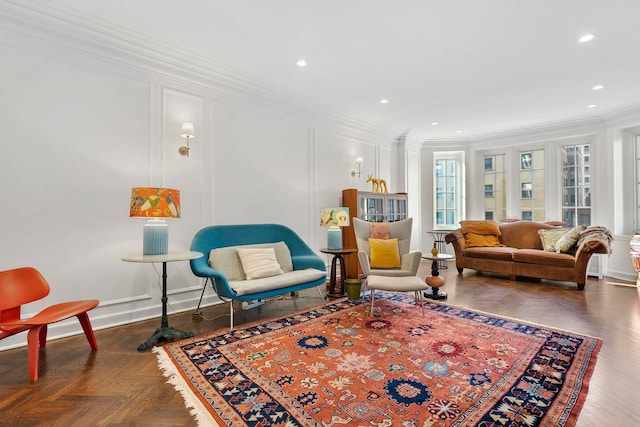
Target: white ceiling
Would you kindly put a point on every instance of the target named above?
(476, 66)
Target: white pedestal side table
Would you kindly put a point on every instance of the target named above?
(165, 331)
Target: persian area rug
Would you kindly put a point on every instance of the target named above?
(337, 365)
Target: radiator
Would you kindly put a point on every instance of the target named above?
(597, 266)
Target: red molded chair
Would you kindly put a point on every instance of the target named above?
(24, 285)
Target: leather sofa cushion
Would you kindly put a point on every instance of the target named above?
(502, 253)
(523, 234)
(540, 257)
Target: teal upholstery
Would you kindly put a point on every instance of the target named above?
(221, 236)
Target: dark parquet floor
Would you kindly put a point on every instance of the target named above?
(120, 386)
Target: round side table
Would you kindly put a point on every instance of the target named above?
(441, 245)
(435, 280)
(333, 280)
(164, 332)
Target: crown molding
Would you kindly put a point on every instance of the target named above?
(572, 128)
(54, 25)
(627, 117)
(51, 25)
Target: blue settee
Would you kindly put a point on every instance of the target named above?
(301, 267)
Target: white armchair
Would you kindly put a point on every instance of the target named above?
(409, 261)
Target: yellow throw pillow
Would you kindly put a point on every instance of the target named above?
(473, 240)
(480, 233)
(384, 253)
(480, 226)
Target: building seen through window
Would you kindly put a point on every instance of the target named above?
(576, 188)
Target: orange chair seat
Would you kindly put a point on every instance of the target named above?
(52, 314)
(24, 285)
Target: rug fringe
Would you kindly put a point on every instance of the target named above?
(195, 406)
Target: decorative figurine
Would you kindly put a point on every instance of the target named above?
(377, 185)
(434, 251)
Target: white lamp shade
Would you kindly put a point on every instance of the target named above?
(187, 130)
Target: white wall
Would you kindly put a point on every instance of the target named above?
(87, 118)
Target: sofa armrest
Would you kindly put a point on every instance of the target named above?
(457, 240)
(411, 261)
(592, 245)
(302, 262)
(588, 247)
(201, 268)
(455, 237)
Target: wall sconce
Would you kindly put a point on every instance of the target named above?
(359, 162)
(186, 132)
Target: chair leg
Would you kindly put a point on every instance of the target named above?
(88, 330)
(322, 297)
(33, 349)
(201, 295)
(43, 335)
(231, 314)
(372, 296)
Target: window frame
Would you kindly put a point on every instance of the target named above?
(442, 217)
(549, 206)
(575, 184)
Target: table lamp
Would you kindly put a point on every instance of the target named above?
(334, 218)
(155, 204)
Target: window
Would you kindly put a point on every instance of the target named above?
(576, 188)
(488, 163)
(488, 190)
(448, 184)
(495, 195)
(517, 189)
(532, 185)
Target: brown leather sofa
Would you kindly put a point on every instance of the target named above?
(523, 255)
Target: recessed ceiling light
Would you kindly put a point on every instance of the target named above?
(592, 105)
(434, 124)
(586, 38)
(458, 131)
(384, 101)
(598, 87)
(301, 63)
